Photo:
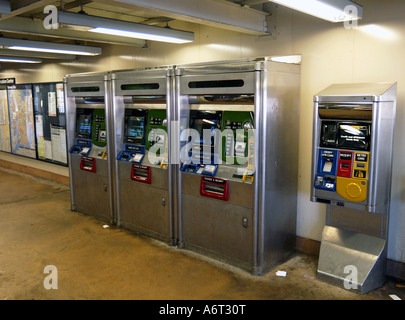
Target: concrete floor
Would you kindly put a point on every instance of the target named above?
(37, 229)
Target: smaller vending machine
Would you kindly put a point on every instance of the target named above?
(88, 134)
(352, 158)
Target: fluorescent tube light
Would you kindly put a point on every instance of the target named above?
(19, 60)
(330, 10)
(50, 50)
(42, 46)
(124, 28)
(46, 55)
(137, 35)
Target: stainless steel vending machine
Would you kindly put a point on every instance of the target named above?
(352, 159)
(237, 175)
(88, 133)
(143, 104)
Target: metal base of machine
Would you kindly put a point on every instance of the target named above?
(148, 233)
(352, 260)
(231, 261)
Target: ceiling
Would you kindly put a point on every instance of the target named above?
(24, 18)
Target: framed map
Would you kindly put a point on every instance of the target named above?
(22, 125)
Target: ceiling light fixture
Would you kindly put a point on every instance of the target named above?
(42, 46)
(19, 60)
(46, 55)
(330, 10)
(124, 28)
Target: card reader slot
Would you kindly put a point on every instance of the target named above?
(88, 164)
(214, 188)
(141, 173)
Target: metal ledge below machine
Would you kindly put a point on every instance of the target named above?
(347, 255)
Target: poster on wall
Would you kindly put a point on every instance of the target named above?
(58, 141)
(4, 122)
(40, 136)
(49, 108)
(60, 96)
(21, 114)
(52, 104)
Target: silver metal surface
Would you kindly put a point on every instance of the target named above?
(110, 145)
(352, 260)
(26, 25)
(357, 111)
(359, 92)
(246, 86)
(141, 205)
(91, 193)
(255, 229)
(220, 14)
(278, 156)
(144, 208)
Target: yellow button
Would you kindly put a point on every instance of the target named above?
(353, 190)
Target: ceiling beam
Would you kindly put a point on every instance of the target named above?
(22, 25)
(22, 7)
(251, 2)
(5, 7)
(74, 4)
(216, 13)
(64, 7)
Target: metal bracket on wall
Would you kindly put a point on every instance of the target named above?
(271, 20)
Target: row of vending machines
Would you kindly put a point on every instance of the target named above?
(205, 157)
(200, 156)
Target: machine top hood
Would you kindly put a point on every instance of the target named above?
(381, 91)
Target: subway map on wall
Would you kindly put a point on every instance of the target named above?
(4, 123)
(22, 127)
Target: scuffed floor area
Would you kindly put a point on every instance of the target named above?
(93, 262)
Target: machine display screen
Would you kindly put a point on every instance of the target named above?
(345, 135)
(203, 126)
(135, 127)
(354, 136)
(205, 123)
(84, 125)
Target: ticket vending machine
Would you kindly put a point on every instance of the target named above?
(90, 168)
(237, 172)
(142, 109)
(352, 158)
